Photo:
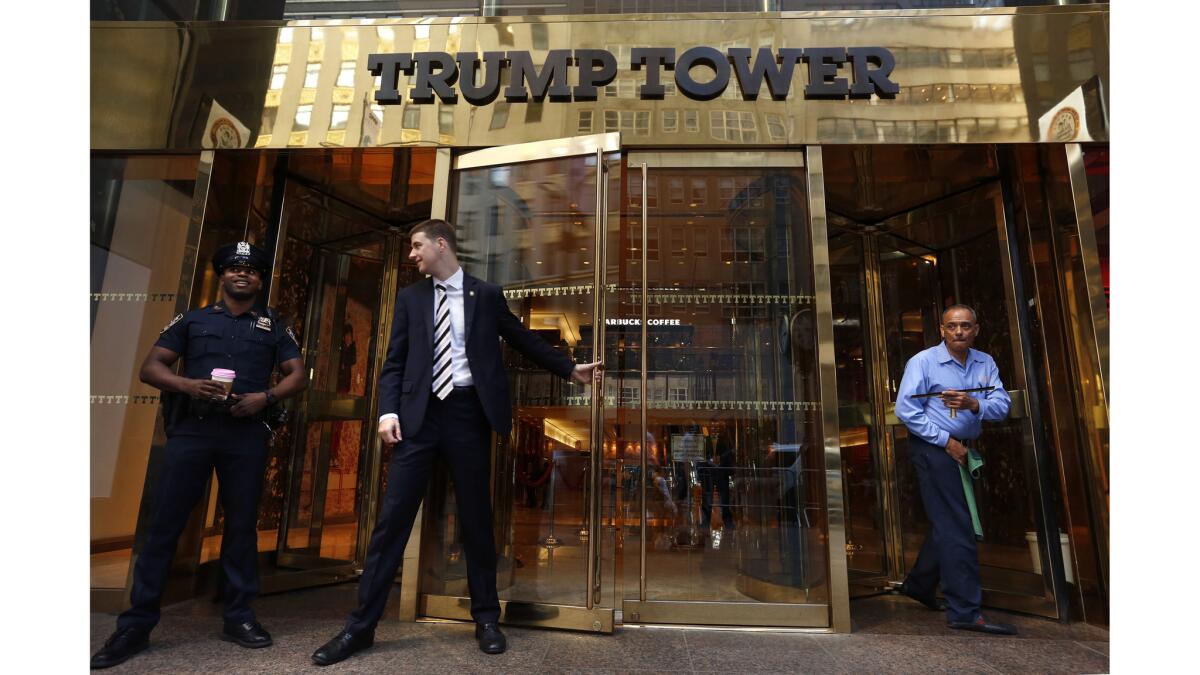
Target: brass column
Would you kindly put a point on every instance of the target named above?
(839, 583)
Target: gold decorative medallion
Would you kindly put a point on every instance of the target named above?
(224, 134)
(1064, 126)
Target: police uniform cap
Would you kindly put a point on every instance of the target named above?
(242, 254)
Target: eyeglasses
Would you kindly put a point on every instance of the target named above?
(964, 325)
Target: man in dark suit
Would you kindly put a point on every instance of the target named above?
(441, 391)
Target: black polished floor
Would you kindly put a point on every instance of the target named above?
(891, 635)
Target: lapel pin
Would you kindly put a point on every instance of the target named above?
(472, 292)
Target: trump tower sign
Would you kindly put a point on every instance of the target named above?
(831, 73)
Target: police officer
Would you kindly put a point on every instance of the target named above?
(228, 434)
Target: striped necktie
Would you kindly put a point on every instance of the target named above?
(443, 381)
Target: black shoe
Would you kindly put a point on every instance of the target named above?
(249, 634)
(342, 646)
(120, 646)
(981, 625)
(491, 640)
(928, 600)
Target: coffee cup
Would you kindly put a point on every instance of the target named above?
(225, 377)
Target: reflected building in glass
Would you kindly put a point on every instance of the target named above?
(753, 270)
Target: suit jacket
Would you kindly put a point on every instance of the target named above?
(406, 381)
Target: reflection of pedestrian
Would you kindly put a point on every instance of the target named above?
(938, 427)
(347, 359)
(721, 473)
(212, 434)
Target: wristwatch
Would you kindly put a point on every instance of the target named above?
(270, 398)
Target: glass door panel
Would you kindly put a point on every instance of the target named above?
(734, 456)
(334, 259)
(529, 218)
(869, 553)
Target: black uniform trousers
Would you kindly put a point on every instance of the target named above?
(237, 449)
(456, 431)
(948, 553)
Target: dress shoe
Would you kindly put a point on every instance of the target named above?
(249, 634)
(981, 625)
(342, 646)
(928, 600)
(491, 640)
(120, 646)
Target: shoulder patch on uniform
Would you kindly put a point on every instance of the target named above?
(292, 334)
(174, 321)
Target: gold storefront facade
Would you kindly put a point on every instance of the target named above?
(754, 273)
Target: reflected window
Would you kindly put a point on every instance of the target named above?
(533, 112)
(583, 123)
(311, 74)
(775, 127)
(303, 117)
(278, 76)
(339, 116)
(678, 241)
(268, 119)
(445, 122)
(412, 117)
(670, 121)
(642, 123)
(499, 115)
(691, 121)
(346, 74)
(730, 125)
(675, 190)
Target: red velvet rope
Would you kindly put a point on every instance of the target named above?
(541, 480)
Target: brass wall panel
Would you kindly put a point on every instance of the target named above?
(984, 76)
(727, 613)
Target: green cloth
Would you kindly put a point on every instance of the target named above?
(969, 471)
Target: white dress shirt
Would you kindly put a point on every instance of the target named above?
(460, 371)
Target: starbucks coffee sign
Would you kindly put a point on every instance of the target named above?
(828, 73)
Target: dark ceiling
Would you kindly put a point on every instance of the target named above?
(867, 184)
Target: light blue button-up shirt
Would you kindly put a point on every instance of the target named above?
(934, 369)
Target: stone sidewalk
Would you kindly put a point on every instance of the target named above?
(891, 635)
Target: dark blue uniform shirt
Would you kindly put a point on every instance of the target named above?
(250, 345)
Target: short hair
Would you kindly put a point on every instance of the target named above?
(974, 316)
(434, 228)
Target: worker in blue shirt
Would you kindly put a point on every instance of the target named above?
(209, 429)
(938, 430)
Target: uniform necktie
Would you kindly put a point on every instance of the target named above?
(443, 382)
